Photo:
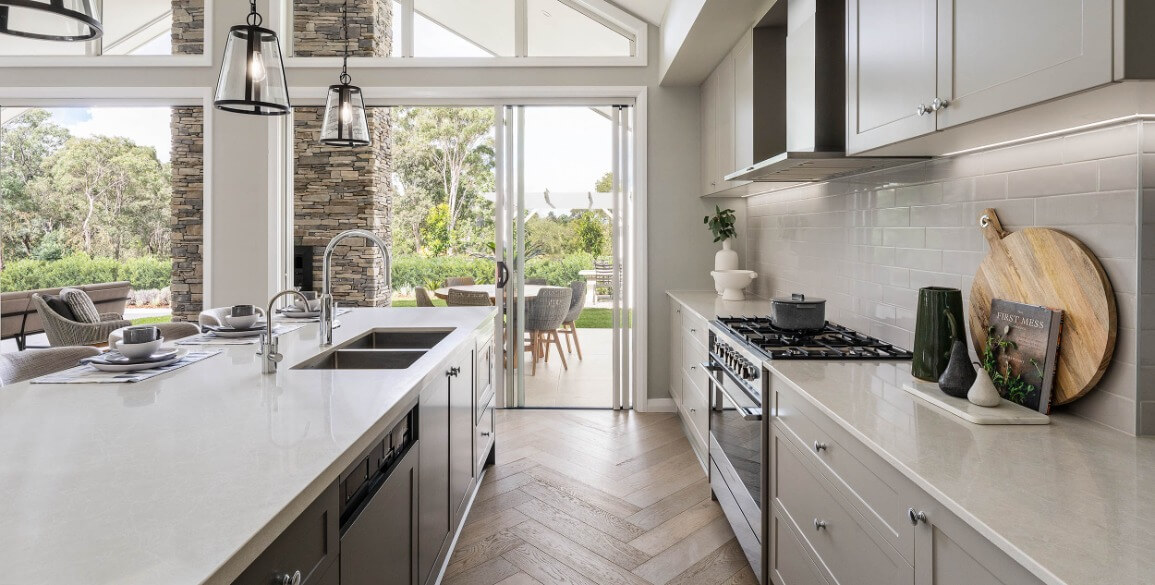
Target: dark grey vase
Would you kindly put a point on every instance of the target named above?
(960, 374)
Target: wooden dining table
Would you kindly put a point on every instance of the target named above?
(491, 289)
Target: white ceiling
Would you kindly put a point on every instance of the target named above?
(649, 10)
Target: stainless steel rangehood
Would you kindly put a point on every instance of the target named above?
(800, 97)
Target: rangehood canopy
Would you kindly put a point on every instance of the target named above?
(800, 97)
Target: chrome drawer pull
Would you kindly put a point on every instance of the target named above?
(916, 516)
(819, 446)
(819, 524)
(287, 579)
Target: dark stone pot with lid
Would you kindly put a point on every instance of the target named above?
(798, 313)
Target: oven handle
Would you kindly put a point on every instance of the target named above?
(747, 413)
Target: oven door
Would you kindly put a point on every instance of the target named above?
(736, 443)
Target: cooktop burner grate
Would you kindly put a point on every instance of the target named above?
(831, 342)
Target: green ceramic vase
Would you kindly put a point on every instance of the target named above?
(932, 331)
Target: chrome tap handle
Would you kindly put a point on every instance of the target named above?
(270, 356)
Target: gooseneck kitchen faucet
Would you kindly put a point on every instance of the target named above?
(270, 345)
(327, 309)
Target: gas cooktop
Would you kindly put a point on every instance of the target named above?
(833, 342)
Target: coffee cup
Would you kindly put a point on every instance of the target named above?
(140, 334)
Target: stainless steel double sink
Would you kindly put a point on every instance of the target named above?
(378, 349)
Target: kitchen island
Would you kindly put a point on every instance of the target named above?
(187, 477)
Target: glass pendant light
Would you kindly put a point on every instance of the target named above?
(345, 123)
(50, 20)
(252, 79)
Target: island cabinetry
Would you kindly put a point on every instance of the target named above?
(379, 545)
(433, 478)
(461, 431)
(859, 519)
(304, 552)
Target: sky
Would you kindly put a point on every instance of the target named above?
(145, 126)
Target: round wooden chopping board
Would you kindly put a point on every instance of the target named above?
(1041, 266)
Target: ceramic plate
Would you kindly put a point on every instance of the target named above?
(132, 367)
(230, 332)
(115, 358)
(291, 314)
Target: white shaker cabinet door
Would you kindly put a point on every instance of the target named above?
(724, 101)
(709, 96)
(996, 56)
(891, 64)
(948, 552)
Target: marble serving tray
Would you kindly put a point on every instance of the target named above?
(1006, 413)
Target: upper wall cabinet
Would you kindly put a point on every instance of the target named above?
(891, 71)
(914, 67)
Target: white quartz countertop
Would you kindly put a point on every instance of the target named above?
(185, 478)
(1072, 501)
(708, 304)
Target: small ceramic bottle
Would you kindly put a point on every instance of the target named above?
(959, 374)
(983, 391)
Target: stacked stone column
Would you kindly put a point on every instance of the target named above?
(337, 188)
(187, 124)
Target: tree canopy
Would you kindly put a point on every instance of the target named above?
(61, 194)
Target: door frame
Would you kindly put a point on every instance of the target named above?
(281, 146)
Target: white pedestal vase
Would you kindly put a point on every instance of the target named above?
(724, 260)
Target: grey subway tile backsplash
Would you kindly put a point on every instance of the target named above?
(868, 243)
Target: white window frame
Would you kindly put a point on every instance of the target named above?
(608, 15)
(205, 59)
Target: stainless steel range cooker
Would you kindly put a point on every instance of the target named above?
(739, 431)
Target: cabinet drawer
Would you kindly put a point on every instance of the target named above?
(308, 545)
(883, 505)
(843, 543)
(695, 326)
(483, 439)
(790, 562)
(696, 407)
(693, 356)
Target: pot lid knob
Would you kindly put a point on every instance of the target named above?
(797, 297)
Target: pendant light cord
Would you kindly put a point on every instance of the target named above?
(345, 78)
(254, 18)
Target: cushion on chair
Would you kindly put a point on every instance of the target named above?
(83, 309)
(59, 307)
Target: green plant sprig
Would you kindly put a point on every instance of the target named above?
(997, 363)
(721, 224)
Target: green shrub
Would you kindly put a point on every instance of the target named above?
(143, 273)
(412, 271)
(559, 271)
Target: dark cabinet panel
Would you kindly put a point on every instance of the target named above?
(308, 545)
(378, 547)
(433, 476)
(460, 433)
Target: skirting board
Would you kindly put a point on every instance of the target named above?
(1006, 413)
(660, 405)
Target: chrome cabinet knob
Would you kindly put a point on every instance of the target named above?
(485, 433)
(819, 524)
(287, 579)
(939, 104)
(922, 109)
(819, 446)
(916, 516)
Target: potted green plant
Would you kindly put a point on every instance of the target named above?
(721, 225)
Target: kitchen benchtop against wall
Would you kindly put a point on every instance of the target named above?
(709, 305)
(187, 477)
(1070, 501)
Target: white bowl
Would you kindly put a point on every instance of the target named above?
(243, 322)
(733, 282)
(136, 351)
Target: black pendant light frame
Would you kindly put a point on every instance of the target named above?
(55, 7)
(346, 96)
(252, 104)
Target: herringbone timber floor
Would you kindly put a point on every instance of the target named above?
(595, 498)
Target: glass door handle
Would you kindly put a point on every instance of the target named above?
(502, 274)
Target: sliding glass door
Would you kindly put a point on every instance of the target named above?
(564, 230)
